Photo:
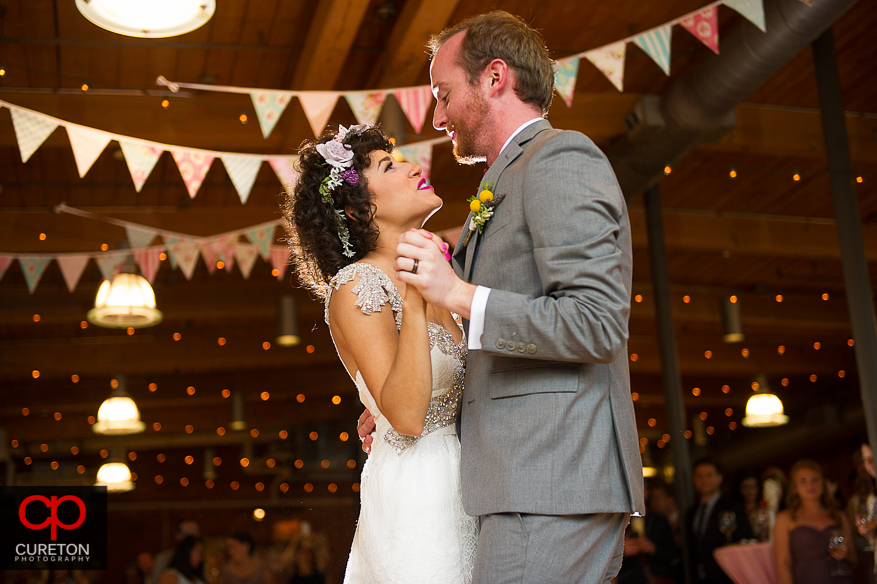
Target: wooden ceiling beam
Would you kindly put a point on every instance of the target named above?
(331, 34)
(406, 53)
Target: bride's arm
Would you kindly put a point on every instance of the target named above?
(394, 365)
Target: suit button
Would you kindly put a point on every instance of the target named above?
(510, 345)
(500, 343)
(522, 346)
(531, 348)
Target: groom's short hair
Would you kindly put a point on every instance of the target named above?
(500, 35)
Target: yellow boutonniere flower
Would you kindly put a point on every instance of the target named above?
(475, 206)
(482, 206)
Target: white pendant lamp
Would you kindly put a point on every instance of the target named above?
(115, 476)
(118, 414)
(764, 409)
(127, 301)
(148, 18)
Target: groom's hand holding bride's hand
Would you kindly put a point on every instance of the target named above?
(434, 277)
(364, 427)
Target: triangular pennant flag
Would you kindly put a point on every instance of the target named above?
(279, 259)
(704, 26)
(5, 262)
(138, 237)
(110, 263)
(262, 237)
(169, 242)
(414, 102)
(366, 106)
(318, 106)
(33, 268)
(148, 261)
(87, 144)
(610, 61)
(246, 254)
(209, 254)
(269, 106)
(242, 171)
(193, 167)
(141, 160)
(284, 168)
(31, 130)
(656, 44)
(225, 246)
(753, 10)
(186, 254)
(72, 267)
(565, 74)
(420, 154)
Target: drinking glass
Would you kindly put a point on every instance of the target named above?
(868, 517)
(835, 541)
(727, 523)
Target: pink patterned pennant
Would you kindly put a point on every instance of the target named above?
(420, 154)
(5, 262)
(318, 106)
(149, 262)
(284, 168)
(610, 61)
(279, 259)
(193, 167)
(33, 268)
(72, 267)
(141, 160)
(367, 105)
(414, 102)
(704, 26)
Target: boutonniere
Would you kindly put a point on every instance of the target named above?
(482, 206)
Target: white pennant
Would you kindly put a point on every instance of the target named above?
(279, 259)
(72, 267)
(318, 106)
(138, 237)
(87, 144)
(242, 171)
(31, 131)
(141, 160)
(186, 254)
(246, 254)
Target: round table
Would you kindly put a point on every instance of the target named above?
(749, 563)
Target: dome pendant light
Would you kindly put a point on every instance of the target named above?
(148, 18)
(764, 409)
(118, 415)
(127, 301)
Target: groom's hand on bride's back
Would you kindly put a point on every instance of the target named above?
(364, 427)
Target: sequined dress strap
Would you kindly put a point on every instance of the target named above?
(373, 290)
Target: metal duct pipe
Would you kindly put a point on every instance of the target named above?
(699, 102)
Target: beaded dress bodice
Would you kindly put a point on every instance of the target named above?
(448, 359)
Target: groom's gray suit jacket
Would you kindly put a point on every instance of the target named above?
(548, 423)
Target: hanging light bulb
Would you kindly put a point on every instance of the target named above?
(127, 301)
(115, 476)
(764, 409)
(287, 322)
(153, 19)
(732, 323)
(118, 415)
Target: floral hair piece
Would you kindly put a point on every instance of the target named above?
(339, 156)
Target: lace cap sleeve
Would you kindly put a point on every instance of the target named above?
(373, 291)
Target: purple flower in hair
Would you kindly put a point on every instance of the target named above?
(351, 176)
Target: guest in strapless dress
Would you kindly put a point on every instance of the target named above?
(812, 538)
(243, 566)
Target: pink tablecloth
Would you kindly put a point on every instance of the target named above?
(749, 563)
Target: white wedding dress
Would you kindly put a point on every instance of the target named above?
(412, 527)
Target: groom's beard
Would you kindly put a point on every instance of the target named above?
(466, 151)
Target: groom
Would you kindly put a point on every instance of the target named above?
(550, 455)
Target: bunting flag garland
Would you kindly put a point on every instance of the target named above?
(242, 171)
(565, 74)
(366, 106)
(246, 254)
(148, 261)
(170, 242)
(704, 26)
(5, 262)
(284, 168)
(186, 253)
(279, 259)
(318, 106)
(138, 237)
(414, 102)
(72, 266)
(33, 268)
(30, 131)
(656, 44)
(193, 167)
(269, 106)
(610, 61)
(752, 10)
(261, 236)
(141, 160)
(420, 154)
(87, 145)
(110, 263)
(209, 254)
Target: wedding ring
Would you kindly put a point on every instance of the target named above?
(414, 269)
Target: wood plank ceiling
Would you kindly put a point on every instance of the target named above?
(761, 234)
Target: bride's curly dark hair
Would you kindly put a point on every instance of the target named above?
(312, 226)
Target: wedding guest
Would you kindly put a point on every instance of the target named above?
(650, 552)
(861, 504)
(702, 523)
(243, 566)
(811, 537)
(662, 500)
(186, 565)
(749, 492)
(185, 528)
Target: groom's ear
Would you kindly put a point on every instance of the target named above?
(496, 76)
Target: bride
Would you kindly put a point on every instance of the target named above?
(407, 358)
